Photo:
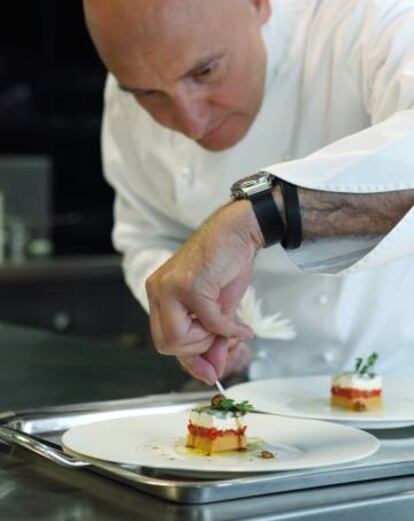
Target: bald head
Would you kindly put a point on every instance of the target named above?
(163, 50)
(121, 27)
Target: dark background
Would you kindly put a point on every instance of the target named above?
(51, 87)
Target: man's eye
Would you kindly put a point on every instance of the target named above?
(204, 72)
(209, 72)
(145, 94)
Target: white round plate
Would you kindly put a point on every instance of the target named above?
(308, 397)
(158, 441)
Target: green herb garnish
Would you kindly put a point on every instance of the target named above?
(366, 367)
(221, 403)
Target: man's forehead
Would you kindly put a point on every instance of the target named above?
(150, 18)
(160, 11)
(168, 38)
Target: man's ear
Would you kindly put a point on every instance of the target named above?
(263, 10)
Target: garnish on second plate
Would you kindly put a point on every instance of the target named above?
(366, 367)
(221, 403)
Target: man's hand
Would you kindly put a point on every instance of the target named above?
(194, 296)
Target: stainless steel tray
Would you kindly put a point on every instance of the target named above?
(40, 431)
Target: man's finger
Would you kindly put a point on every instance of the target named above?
(156, 329)
(183, 332)
(210, 366)
(199, 368)
(197, 340)
(215, 321)
(238, 359)
(217, 355)
(182, 335)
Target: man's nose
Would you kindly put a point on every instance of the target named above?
(192, 115)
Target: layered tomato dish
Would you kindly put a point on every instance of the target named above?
(359, 390)
(218, 426)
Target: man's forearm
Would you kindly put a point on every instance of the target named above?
(333, 214)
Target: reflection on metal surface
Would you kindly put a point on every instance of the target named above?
(15, 437)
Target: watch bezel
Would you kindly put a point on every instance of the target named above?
(252, 184)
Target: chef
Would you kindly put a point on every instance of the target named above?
(318, 95)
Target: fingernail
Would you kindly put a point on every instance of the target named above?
(247, 332)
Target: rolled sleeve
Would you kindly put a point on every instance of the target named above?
(377, 159)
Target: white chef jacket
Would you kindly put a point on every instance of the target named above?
(337, 115)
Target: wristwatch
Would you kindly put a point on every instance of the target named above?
(258, 188)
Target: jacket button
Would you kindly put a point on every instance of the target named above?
(323, 299)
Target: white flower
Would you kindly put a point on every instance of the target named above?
(271, 326)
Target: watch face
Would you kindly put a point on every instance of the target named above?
(252, 184)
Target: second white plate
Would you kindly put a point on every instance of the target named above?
(308, 397)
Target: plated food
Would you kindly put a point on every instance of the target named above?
(359, 390)
(218, 426)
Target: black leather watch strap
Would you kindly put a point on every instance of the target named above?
(293, 237)
(269, 218)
